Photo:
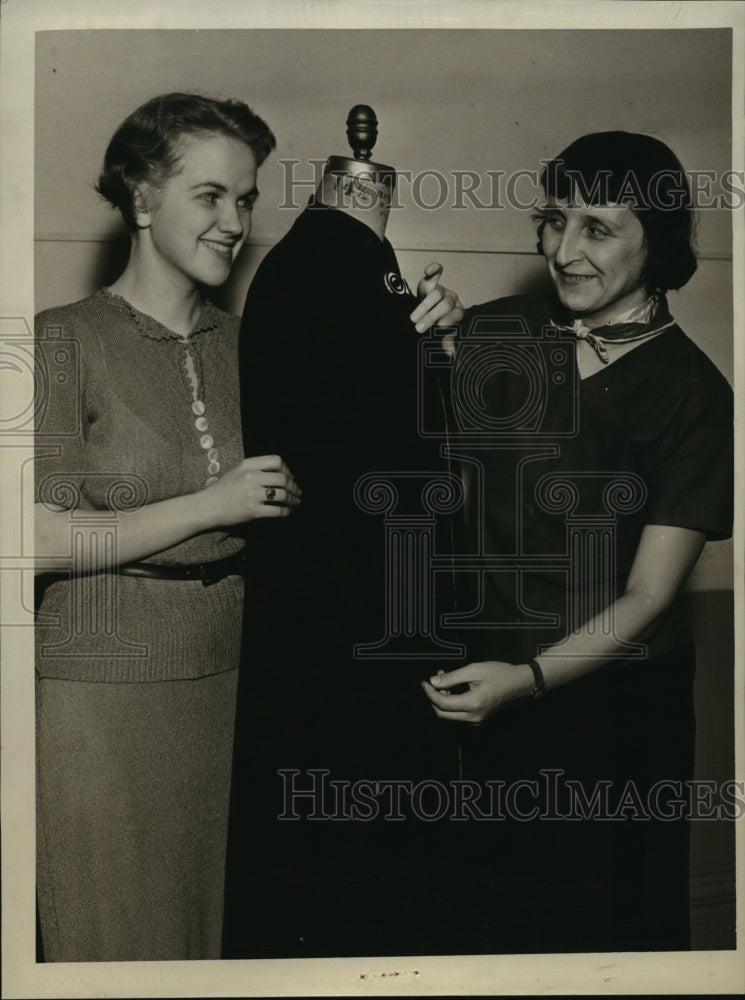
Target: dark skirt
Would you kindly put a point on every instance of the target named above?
(590, 848)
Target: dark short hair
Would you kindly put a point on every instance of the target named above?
(641, 171)
(145, 147)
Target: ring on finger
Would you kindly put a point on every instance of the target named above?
(270, 493)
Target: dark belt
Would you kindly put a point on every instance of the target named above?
(208, 573)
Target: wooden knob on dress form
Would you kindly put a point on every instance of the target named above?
(362, 131)
(358, 186)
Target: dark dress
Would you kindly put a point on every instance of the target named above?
(341, 624)
(563, 476)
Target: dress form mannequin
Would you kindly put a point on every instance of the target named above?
(329, 363)
(359, 187)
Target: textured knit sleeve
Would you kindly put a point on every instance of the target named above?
(61, 412)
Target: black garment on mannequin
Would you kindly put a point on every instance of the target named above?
(331, 380)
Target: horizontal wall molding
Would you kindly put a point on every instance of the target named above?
(713, 910)
(713, 887)
(269, 241)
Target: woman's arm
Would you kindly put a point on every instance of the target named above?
(664, 558)
(238, 496)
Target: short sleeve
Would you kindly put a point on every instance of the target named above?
(60, 408)
(691, 471)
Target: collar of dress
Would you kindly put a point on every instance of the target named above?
(148, 326)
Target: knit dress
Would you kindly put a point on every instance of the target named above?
(136, 678)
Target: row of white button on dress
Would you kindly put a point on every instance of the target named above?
(201, 423)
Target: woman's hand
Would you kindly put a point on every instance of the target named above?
(258, 487)
(438, 305)
(664, 558)
(491, 686)
(261, 486)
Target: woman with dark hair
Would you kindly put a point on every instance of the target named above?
(602, 462)
(139, 624)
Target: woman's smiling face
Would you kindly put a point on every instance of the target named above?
(199, 217)
(596, 256)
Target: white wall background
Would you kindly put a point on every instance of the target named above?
(487, 100)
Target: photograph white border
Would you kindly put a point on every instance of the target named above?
(648, 973)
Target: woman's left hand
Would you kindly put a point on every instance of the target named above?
(438, 305)
(491, 686)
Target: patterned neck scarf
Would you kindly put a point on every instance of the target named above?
(639, 323)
